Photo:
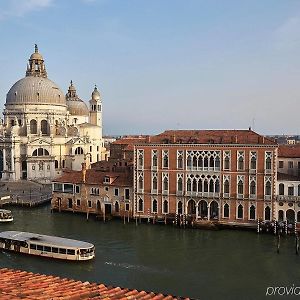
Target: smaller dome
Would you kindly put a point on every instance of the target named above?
(77, 108)
(36, 56)
(96, 94)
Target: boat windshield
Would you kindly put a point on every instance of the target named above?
(5, 215)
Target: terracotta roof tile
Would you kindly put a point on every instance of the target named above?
(292, 151)
(211, 137)
(16, 284)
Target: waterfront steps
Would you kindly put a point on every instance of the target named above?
(17, 284)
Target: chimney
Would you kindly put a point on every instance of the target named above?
(174, 138)
(83, 169)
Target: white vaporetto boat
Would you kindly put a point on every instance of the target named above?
(46, 246)
(6, 216)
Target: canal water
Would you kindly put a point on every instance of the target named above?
(197, 263)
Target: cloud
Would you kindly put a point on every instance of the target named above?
(19, 8)
(287, 35)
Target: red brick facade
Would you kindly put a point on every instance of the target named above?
(224, 176)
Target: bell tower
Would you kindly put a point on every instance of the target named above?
(96, 109)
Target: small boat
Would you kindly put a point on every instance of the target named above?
(46, 245)
(6, 215)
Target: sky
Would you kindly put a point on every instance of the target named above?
(164, 64)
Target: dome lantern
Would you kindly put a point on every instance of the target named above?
(36, 66)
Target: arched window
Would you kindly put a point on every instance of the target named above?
(33, 126)
(56, 164)
(241, 163)
(44, 127)
(268, 163)
(191, 207)
(240, 212)
(205, 162)
(268, 188)
(205, 186)
(188, 185)
(165, 207)
(217, 163)
(252, 188)
(154, 206)
(298, 190)
(281, 189)
(298, 216)
(267, 213)
(141, 205)
(252, 212)
(280, 215)
(211, 186)
(211, 162)
(179, 208)
(253, 163)
(240, 187)
(179, 184)
(165, 184)
(226, 186)
(226, 163)
(195, 162)
(194, 185)
(217, 186)
(226, 211)
(40, 152)
(117, 207)
(154, 183)
(78, 151)
(200, 185)
(140, 183)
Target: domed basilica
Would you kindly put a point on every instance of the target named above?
(43, 131)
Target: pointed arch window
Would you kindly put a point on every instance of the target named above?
(154, 206)
(226, 211)
(240, 214)
(166, 207)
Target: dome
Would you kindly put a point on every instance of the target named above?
(77, 107)
(35, 90)
(36, 56)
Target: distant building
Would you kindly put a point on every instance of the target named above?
(226, 176)
(45, 131)
(104, 190)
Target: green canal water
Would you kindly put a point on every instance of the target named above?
(197, 263)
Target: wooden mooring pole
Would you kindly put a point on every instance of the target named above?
(278, 243)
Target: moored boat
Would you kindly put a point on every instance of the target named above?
(6, 215)
(46, 245)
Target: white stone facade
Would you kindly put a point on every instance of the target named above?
(43, 131)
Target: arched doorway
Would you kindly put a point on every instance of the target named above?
(98, 206)
(179, 208)
(202, 209)
(290, 216)
(280, 215)
(267, 213)
(213, 210)
(191, 207)
(252, 212)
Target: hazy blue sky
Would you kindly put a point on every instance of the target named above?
(165, 64)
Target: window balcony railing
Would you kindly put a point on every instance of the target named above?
(154, 168)
(287, 198)
(240, 196)
(252, 171)
(179, 193)
(226, 195)
(268, 197)
(252, 196)
(165, 192)
(154, 191)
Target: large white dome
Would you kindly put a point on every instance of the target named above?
(35, 90)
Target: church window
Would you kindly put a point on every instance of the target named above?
(91, 148)
(56, 164)
(78, 151)
(40, 152)
(33, 126)
(44, 127)
(63, 163)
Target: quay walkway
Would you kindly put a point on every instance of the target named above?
(24, 193)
